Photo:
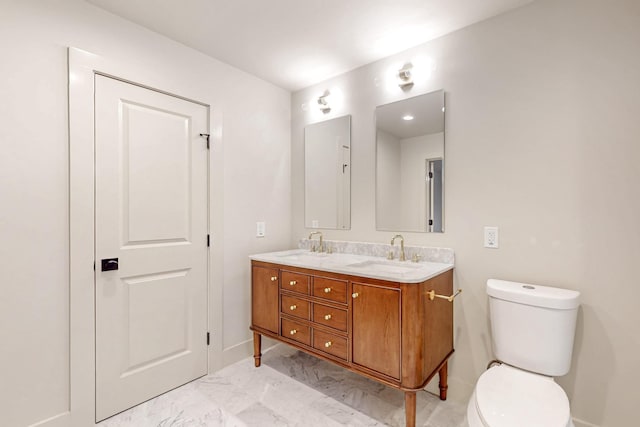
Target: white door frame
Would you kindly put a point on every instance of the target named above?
(83, 67)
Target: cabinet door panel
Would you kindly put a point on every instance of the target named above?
(376, 328)
(264, 296)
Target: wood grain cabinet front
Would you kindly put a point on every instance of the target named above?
(330, 289)
(264, 298)
(375, 330)
(296, 331)
(330, 343)
(295, 282)
(296, 307)
(388, 331)
(332, 317)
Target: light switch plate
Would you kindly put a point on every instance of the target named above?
(261, 229)
(491, 237)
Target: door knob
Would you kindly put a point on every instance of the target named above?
(109, 264)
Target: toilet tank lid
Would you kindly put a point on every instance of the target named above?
(535, 295)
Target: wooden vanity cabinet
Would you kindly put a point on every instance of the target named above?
(388, 331)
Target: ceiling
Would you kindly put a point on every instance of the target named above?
(297, 43)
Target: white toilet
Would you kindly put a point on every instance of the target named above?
(533, 329)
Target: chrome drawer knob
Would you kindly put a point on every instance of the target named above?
(328, 344)
(274, 278)
(327, 317)
(293, 332)
(293, 282)
(355, 295)
(327, 290)
(293, 307)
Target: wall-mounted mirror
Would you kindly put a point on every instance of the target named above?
(327, 174)
(409, 164)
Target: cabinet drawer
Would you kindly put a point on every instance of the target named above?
(295, 307)
(330, 343)
(295, 282)
(296, 331)
(329, 316)
(334, 290)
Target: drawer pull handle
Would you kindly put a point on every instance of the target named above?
(293, 307)
(293, 332)
(293, 282)
(327, 290)
(355, 295)
(327, 317)
(274, 278)
(328, 344)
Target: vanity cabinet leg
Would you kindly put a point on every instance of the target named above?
(443, 381)
(257, 342)
(410, 408)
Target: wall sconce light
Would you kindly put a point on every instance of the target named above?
(405, 79)
(323, 102)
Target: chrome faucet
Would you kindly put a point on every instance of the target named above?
(313, 247)
(402, 257)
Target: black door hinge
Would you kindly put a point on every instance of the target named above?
(208, 240)
(430, 222)
(208, 338)
(94, 266)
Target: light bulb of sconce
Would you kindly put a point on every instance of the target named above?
(408, 117)
(405, 79)
(323, 103)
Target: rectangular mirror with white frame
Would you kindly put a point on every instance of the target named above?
(327, 174)
(410, 164)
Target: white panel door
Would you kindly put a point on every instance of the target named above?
(151, 214)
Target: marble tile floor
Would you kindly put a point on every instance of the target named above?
(291, 388)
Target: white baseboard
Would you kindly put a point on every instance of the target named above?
(60, 420)
(580, 423)
(236, 353)
(458, 391)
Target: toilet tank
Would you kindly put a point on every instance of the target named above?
(533, 326)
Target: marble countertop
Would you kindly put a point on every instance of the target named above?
(357, 265)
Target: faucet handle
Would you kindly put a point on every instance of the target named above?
(416, 257)
(313, 247)
(390, 256)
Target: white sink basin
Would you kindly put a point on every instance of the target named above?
(389, 267)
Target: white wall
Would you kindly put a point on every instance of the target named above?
(250, 167)
(542, 141)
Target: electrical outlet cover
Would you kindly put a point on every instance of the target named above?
(491, 237)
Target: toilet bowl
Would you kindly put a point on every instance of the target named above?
(509, 397)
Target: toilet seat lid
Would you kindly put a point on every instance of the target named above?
(507, 397)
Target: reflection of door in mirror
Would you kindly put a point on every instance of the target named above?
(434, 194)
(409, 164)
(327, 174)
